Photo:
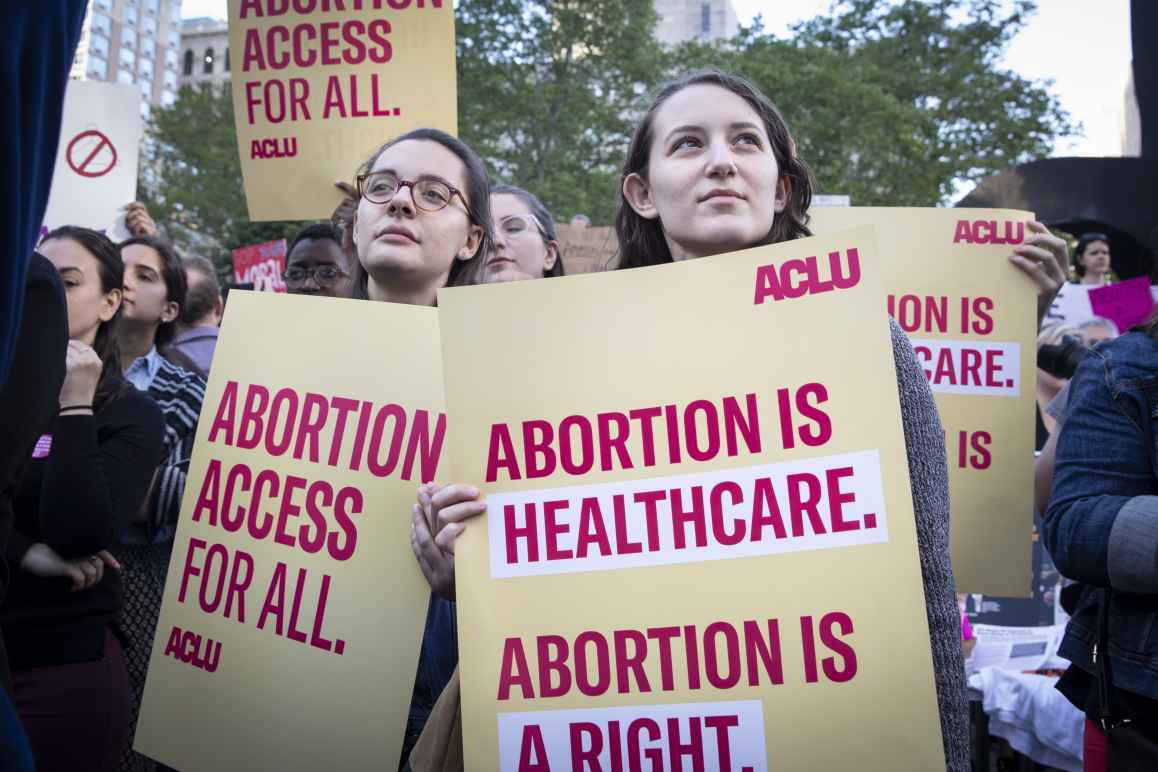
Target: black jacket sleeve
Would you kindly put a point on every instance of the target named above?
(92, 488)
(28, 400)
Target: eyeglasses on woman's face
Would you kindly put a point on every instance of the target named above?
(429, 194)
(519, 225)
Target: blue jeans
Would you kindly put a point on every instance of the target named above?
(437, 660)
(15, 753)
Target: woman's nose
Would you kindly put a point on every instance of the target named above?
(721, 160)
(401, 201)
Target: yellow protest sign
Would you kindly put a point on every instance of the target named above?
(318, 85)
(293, 609)
(699, 550)
(970, 315)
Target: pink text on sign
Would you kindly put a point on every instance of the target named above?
(970, 366)
(707, 735)
(817, 503)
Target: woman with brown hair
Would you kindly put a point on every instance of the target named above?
(712, 168)
(421, 222)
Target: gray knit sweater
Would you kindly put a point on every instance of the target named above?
(929, 473)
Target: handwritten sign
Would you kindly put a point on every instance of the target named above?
(293, 610)
(261, 265)
(587, 249)
(315, 93)
(970, 316)
(705, 541)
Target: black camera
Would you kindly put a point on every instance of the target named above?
(1062, 359)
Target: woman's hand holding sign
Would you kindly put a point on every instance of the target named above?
(1043, 257)
(437, 520)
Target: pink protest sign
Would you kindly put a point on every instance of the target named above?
(1125, 303)
(261, 265)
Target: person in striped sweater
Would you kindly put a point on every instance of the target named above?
(155, 288)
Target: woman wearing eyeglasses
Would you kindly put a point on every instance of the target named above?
(422, 218)
(525, 245)
(316, 264)
(422, 222)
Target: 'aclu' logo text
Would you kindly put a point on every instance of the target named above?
(799, 277)
(989, 232)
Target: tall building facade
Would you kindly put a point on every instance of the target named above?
(132, 41)
(204, 51)
(683, 20)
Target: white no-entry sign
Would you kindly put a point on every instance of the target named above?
(96, 161)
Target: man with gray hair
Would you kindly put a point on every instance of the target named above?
(197, 326)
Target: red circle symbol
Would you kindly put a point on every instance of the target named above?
(91, 154)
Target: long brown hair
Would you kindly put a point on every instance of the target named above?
(641, 241)
(172, 275)
(111, 272)
(477, 193)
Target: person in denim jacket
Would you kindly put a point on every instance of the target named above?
(1101, 526)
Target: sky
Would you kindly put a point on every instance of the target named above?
(1087, 55)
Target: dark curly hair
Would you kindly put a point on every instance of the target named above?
(641, 241)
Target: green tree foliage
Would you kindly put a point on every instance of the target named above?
(190, 177)
(546, 90)
(893, 103)
(857, 138)
(932, 69)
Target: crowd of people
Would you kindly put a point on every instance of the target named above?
(116, 341)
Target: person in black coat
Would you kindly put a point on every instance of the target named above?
(87, 475)
(28, 401)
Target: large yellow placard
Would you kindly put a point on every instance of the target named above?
(315, 93)
(699, 550)
(970, 315)
(293, 610)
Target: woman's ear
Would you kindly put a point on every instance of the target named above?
(637, 193)
(169, 312)
(110, 305)
(783, 193)
(352, 227)
(552, 256)
(473, 240)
